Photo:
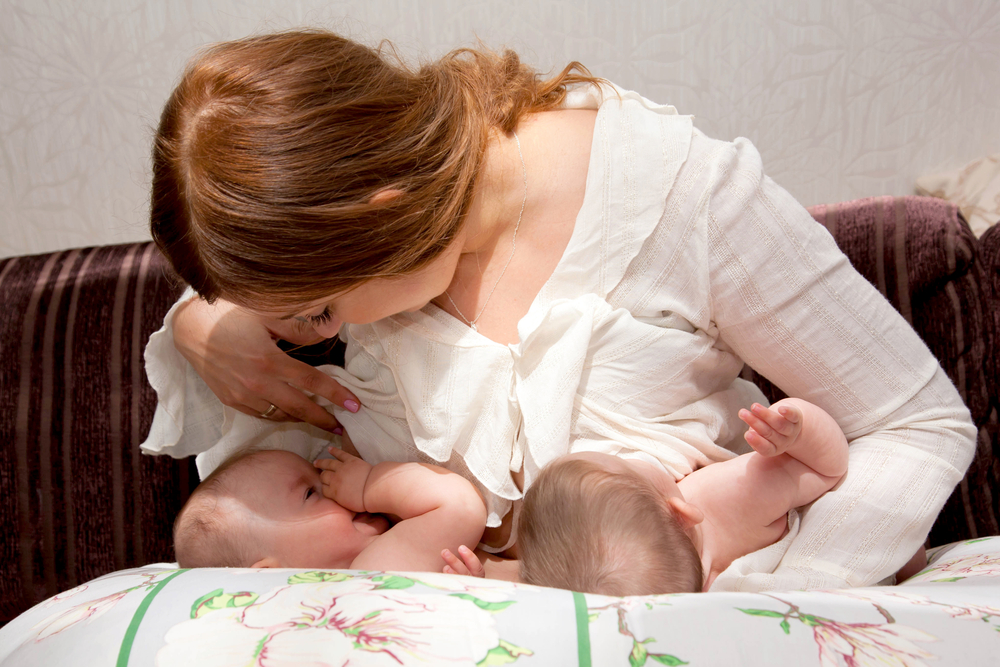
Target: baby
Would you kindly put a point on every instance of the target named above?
(272, 508)
(596, 523)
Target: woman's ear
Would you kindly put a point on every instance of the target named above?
(384, 196)
(686, 514)
(266, 562)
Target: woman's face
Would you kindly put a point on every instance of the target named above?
(368, 302)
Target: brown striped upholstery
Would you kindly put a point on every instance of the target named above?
(79, 500)
(989, 245)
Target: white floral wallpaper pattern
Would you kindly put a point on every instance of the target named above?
(844, 99)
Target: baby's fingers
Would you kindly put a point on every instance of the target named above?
(327, 464)
(341, 455)
(328, 478)
(769, 419)
(759, 431)
(771, 432)
(760, 436)
(452, 564)
(467, 565)
(787, 409)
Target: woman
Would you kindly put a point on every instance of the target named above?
(523, 268)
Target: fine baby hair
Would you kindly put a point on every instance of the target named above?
(214, 528)
(298, 164)
(591, 530)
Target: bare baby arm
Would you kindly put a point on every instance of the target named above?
(437, 509)
(800, 454)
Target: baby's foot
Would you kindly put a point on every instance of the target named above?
(772, 430)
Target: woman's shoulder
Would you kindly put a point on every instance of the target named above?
(636, 151)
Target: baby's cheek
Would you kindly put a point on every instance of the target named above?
(371, 524)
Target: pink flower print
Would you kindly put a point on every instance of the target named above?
(886, 644)
(338, 623)
(863, 644)
(983, 613)
(83, 612)
(975, 565)
(973, 612)
(86, 611)
(65, 595)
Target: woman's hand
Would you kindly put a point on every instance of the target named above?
(235, 353)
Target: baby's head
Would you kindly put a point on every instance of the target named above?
(267, 509)
(598, 524)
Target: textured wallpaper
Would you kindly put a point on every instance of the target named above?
(844, 99)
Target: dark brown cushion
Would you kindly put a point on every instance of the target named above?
(922, 256)
(78, 499)
(989, 247)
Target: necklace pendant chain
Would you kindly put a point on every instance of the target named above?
(513, 246)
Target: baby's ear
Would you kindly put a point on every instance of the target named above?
(686, 514)
(266, 562)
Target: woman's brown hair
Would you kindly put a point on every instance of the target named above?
(271, 148)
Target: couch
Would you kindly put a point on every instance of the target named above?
(79, 501)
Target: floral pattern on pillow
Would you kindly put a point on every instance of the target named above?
(159, 615)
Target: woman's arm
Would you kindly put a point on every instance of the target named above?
(788, 302)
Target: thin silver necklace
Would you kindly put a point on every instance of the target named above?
(513, 247)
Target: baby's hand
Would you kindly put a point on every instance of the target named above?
(344, 479)
(468, 565)
(772, 430)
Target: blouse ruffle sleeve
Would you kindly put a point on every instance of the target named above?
(190, 420)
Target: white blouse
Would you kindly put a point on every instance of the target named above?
(685, 262)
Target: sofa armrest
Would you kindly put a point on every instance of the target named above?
(74, 406)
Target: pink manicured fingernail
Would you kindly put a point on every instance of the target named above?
(352, 406)
(783, 410)
(338, 431)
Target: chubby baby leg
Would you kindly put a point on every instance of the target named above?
(772, 430)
